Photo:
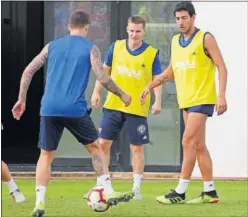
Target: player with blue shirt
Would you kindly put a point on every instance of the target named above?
(63, 105)
(132, 64)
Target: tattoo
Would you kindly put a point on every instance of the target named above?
(101, 74)
(159, 81)
(112, 87)
(30, 70)
(98, 164)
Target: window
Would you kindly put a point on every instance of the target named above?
(165, 127)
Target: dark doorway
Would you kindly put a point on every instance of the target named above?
(22, 40)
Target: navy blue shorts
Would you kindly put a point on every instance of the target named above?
(112, 123)
(204, 109)
(51, 130)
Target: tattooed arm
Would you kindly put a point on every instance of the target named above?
(29, 71)
(101, 74)
(165, 76)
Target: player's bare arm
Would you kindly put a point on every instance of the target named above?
(27, 76)
(96, 98)
(214, 52)
(103, 77)
(165, 76)
(156, 108)
(30, 70)
(98, 84)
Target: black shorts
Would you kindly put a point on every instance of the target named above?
(113, 121)
(204, 109)
(51, 130)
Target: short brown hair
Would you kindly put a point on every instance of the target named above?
(137, 20)
(79, 19)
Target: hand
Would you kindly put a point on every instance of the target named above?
(18, 109)
(126, 99)
(2, 126)
(156, 108)
(221, 105)
(95, 99)
(143, 95)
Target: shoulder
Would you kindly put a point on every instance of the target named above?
(150, 48)
(208, 39)
(176, 36)
(208, 36)
(120, 42)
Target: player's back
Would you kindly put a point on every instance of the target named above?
(67, 77)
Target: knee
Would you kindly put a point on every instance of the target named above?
(94, 148)
(47, 156)
(189, 141)
(105, 145)
(137, 149)
(201, 147)
(3, 164)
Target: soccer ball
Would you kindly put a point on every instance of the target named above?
(95, 199)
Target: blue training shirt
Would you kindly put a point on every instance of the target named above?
(156, 67)
(67, 77)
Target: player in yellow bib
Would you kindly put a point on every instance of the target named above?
(133, 64)
(194, 58)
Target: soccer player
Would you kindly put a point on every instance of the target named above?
(63, 105)
(132, 64)
(14, 191)
(194, 58)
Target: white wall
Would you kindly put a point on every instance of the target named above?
(227, 134)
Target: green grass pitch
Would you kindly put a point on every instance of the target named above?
(64, 198)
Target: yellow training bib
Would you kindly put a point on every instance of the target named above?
(194, 72)
(132, 73)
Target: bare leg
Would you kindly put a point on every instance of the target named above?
(14, 191)
(138, 163)
(106, 144)
(43, 174)
(203, 158)
(205, 162)
(193, 122)
(100, 166)
(6, 176)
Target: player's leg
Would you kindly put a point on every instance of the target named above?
(110, 126)
(139, 135)
(51, 129)
(209, 194)
(105, 144)
(195, 121)
(85, 132)
(14, 191)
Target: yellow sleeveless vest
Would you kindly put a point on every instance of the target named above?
(132, 73)
(194, 72)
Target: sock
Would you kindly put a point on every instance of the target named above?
(11, 185)
(182, 186)
(209, 186)
(137, 180)
(105, 181)
(98, 181)
(40, 194)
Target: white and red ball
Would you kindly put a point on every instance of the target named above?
(95, 199)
